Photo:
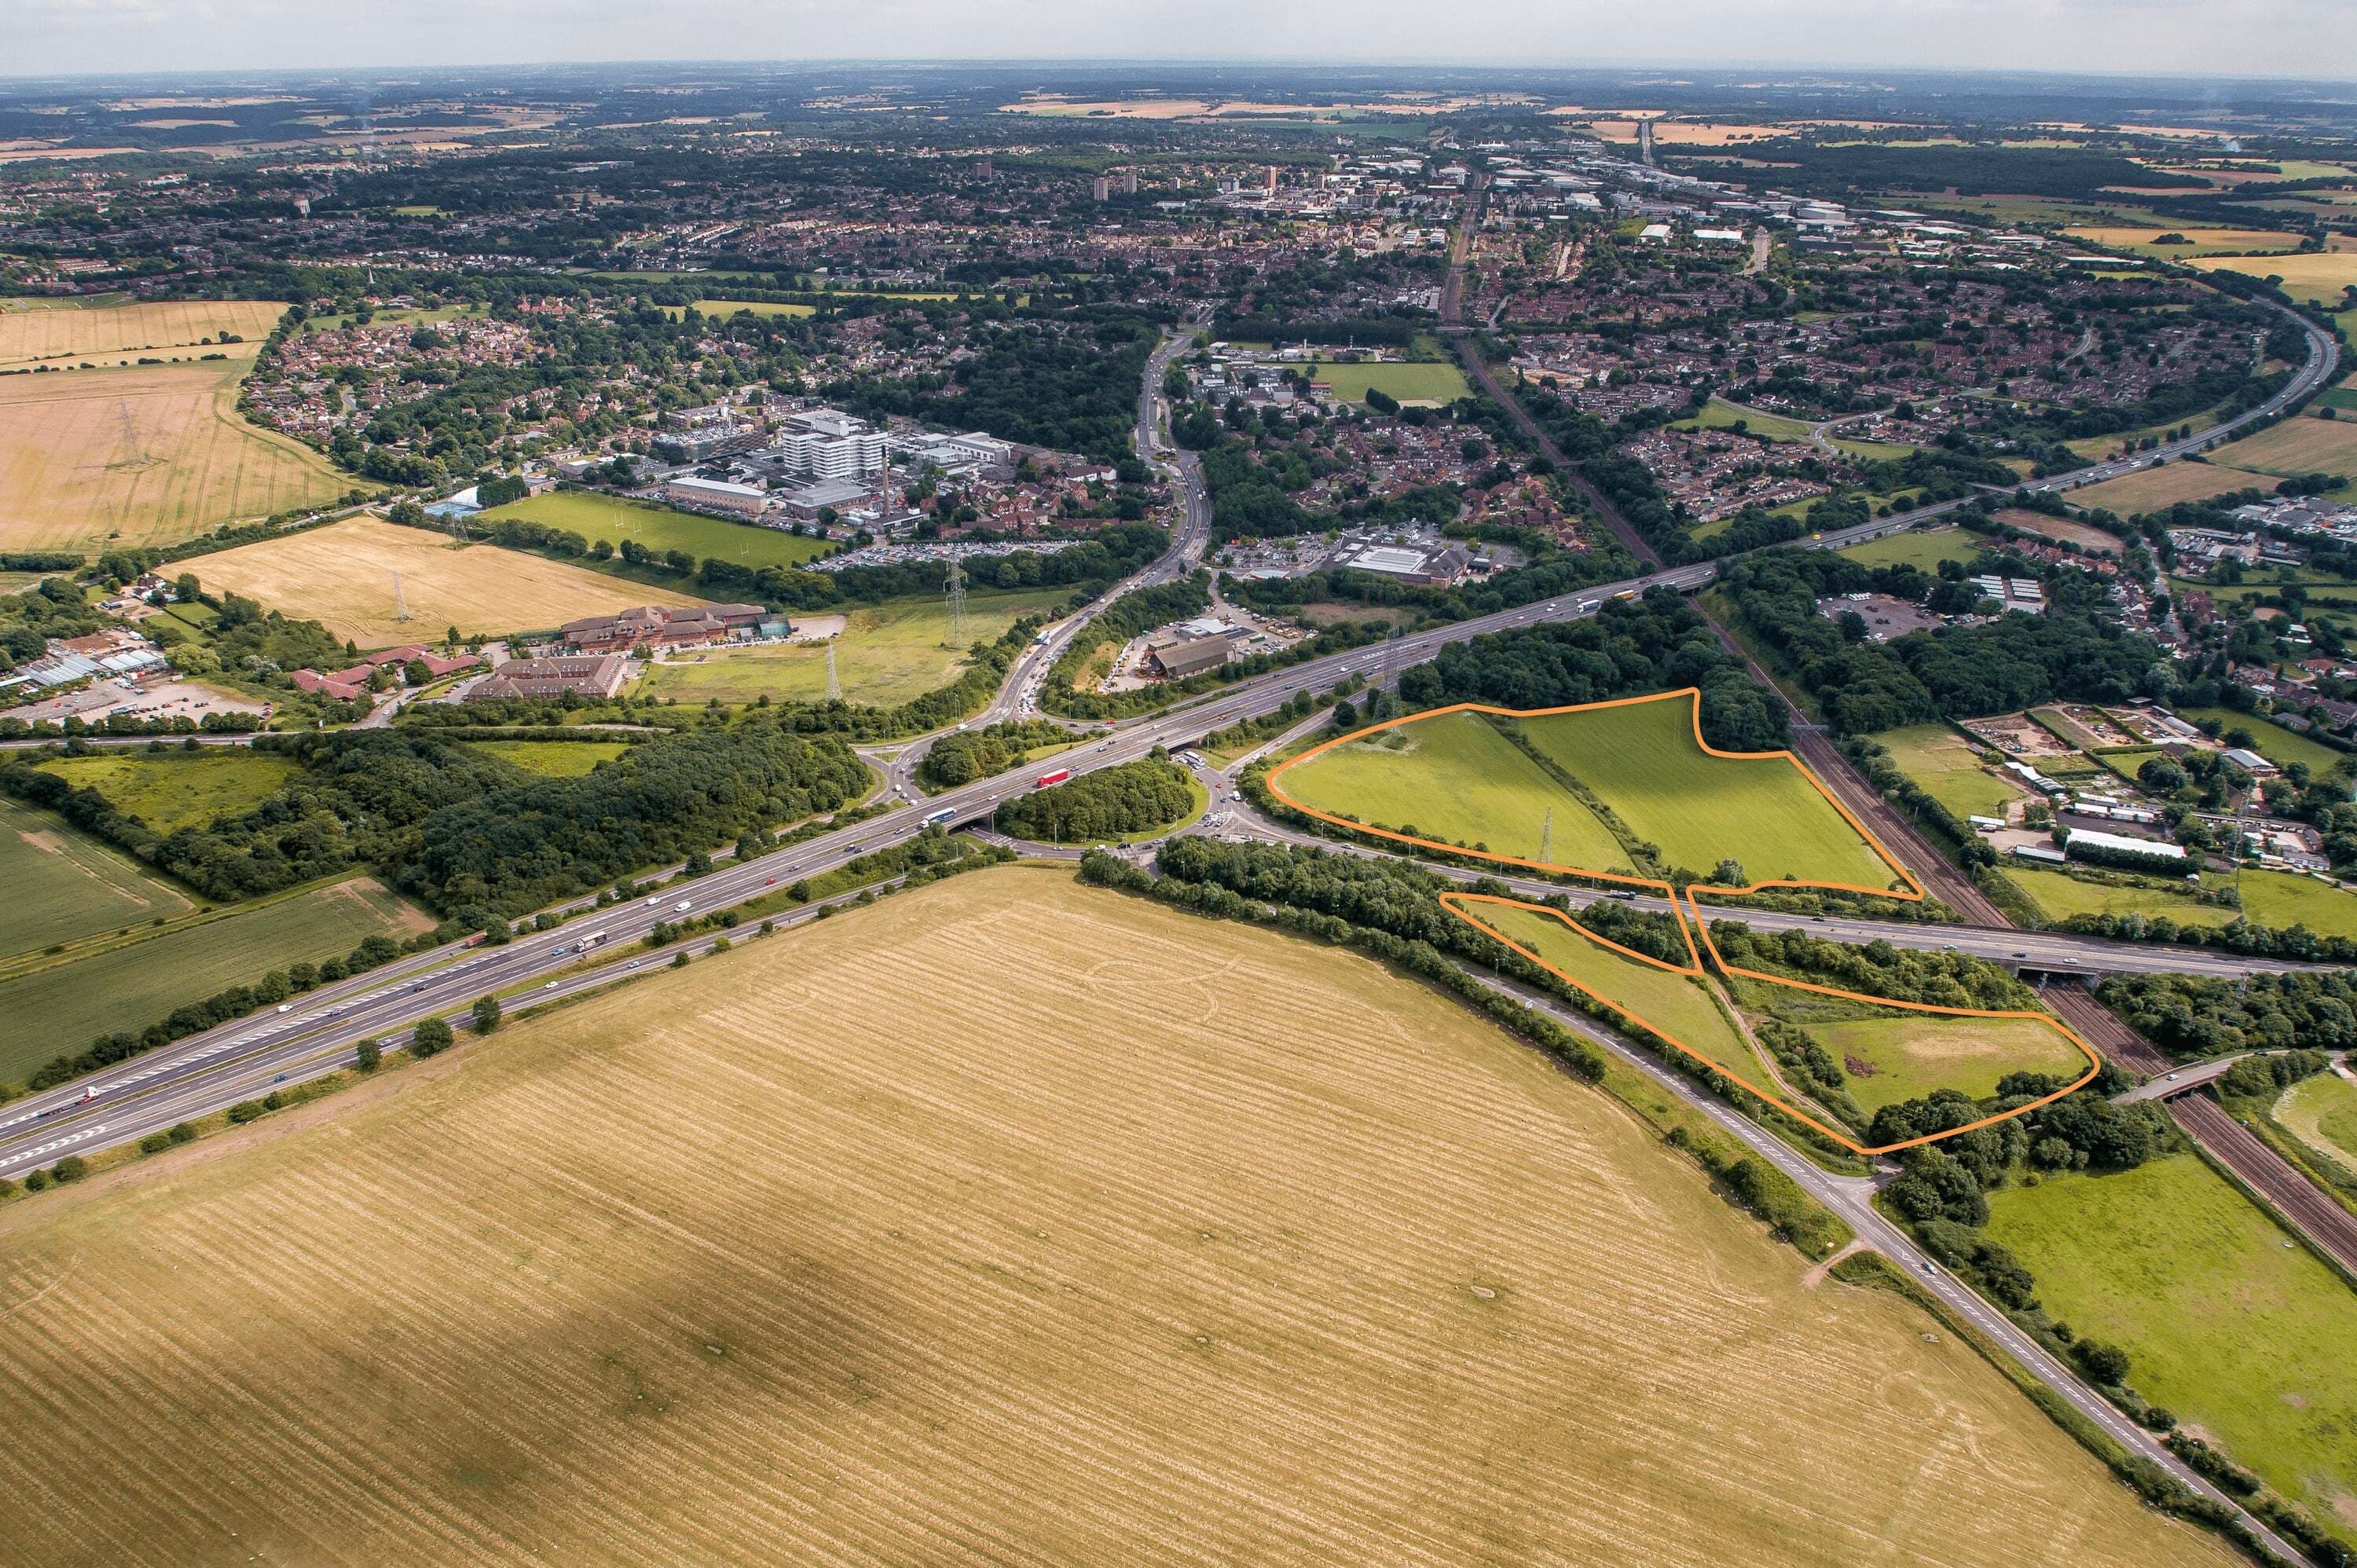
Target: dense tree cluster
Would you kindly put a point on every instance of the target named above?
(467, 832)
(1656, 643)
(964, 755)
(2072, 651)
(1107, 804)
(2195, 1015)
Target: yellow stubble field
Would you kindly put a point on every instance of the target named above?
(342, 576)
(147, 455)
(899, 1240)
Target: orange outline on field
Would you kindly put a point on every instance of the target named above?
(1687, 912)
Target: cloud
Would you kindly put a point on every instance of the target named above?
(2286, 38)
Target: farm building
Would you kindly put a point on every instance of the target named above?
(654, 626)
(599, 676)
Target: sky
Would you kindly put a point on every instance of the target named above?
(2220, 38)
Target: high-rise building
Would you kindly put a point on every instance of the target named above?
(1129, 182)
(982, 169)
(1268, 180)
(1103, 185)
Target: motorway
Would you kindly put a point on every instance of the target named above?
(102, 1110)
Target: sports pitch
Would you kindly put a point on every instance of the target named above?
(660, 527)
(342, 576)
(899, 1240)
(886, 654)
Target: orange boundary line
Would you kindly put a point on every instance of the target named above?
(1688, 913)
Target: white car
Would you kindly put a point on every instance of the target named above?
(683, 906)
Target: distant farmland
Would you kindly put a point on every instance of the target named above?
(342, 576)
(28, 337)
(1005, 1222)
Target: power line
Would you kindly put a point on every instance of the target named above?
(957, 604)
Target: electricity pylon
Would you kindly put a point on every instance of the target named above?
(834, 681)
(400, 601)
(957, 605)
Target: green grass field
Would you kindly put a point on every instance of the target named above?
(2225, 1321)
(659, 528)
(1923, 549)
(2322, 1114)
(2272, 741)
(1642, 761)
(1874, 451)
(65, 1006)
(2126, 763)
(1944, 765)
(174, 789)
(888, 654)
(2285, 899)
(1407, 382)
(1455, 780)
(64, 885)
(2060, 897)
(1720, 415)
(554, 758)
(1898, 1055)
(734, 306)
(1672, 1004)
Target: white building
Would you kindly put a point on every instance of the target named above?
(716, 495)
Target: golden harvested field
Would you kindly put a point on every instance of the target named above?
(27, 336)
(2304, 445)
(898, 1241)
(2085, 536)
(150, 454)
(2318, 276)
(342, 575)
(2148, 489)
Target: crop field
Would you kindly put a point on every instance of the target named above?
(151, 455)
(2080, 536)
(1923, 549)
(2322, 1114)
(1407, 382)
(2318, 278)
(174, 789)
(1455, 778)
(66, 1006)
(735, 307)
(1642, 760)
(888, 654)
(1944, 765)
(1717, 414)
(2304, 445)
(2204, 241)
(554, 758)
(342, 576)
(659, 528)
(2149, 489)
(903, 1241)
(64, 885)
(1668, 1003)
(2159, 1261)
(28, 337)
(1898, 1055)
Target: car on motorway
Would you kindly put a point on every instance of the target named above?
(683, 906)
(550, 986)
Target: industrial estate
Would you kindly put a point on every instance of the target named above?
(1051, 815)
